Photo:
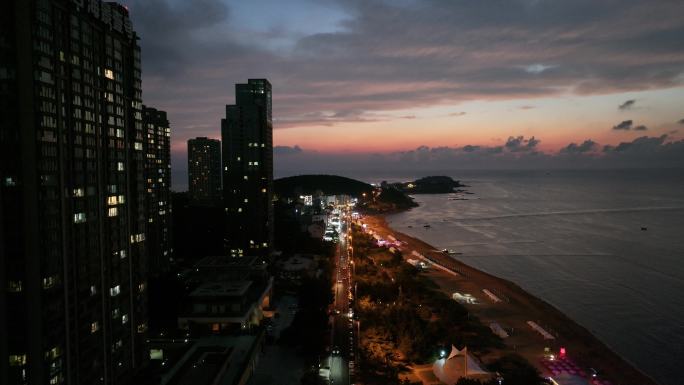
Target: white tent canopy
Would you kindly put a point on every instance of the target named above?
(458, 364)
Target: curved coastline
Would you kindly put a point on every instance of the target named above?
(583, 347)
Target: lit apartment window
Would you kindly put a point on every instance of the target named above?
(119, 133)
(112, 200)
(142, 328)
(115, 313)
(246, 200)
(113, 211)
(119, 166)
(14, 286)
(117, 345)
(114, 291)
(122, 199)
(256, 163)
(245, 177)
(94, 326)
(265, 244)
(137, 237)
(93, 290)
(124, 319)
(138, 146)
(109, 74)
(17, 359)
(49, 282)
(263, 190)
(53, 353)
(122, 254)
(78, 192)
(79, 217)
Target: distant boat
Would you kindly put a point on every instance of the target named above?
(427, 226)
(644, 228)
(410, 227)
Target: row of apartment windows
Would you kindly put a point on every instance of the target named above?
(114, 200)
(20, 359)
(16, 286)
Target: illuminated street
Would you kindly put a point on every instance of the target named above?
(343, 338)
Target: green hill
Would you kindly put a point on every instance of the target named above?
(295, 186)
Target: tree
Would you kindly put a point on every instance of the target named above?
(517, 371)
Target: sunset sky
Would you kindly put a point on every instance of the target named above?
(477, 83)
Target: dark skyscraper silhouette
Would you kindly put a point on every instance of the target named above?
(247, 135)
(204, 171)
(74, 218)
(157, 146)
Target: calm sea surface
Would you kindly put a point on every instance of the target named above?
(575, 239)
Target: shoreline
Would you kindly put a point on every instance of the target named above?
(515, 310)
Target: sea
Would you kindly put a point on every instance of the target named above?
(606, 247)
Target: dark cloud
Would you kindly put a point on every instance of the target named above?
(286, 150)
(642, 145)
(587, 146)
(166, 31)
(388, 56)
(519, 143)
(461, 113)
(408, 117)
(627, 125)
(624, 125)
(526, 107)
(627, 105)
(641, 152)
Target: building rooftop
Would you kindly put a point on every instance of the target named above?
(222, 289)
(215, 360)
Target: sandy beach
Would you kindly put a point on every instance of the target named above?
(502, 302)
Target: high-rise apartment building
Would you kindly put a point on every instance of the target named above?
(157, 148)
(204, 171)
(73, 211)
(247, 136)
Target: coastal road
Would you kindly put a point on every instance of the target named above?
(343, 337)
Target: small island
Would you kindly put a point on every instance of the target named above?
(431, 185)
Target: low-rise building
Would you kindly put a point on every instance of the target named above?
(228, 295)
(214, 360)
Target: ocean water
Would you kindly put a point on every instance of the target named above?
(575, 239)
